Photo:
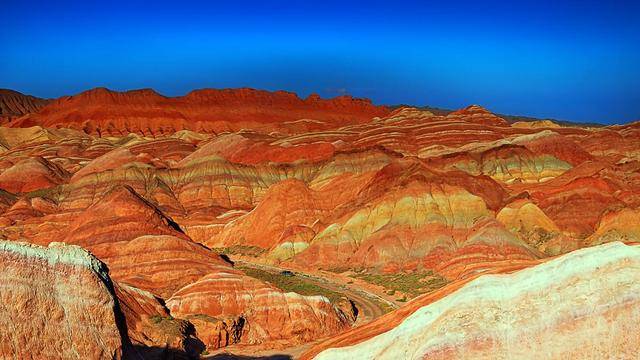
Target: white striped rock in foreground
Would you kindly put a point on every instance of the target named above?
(583, 305)
(56, 303)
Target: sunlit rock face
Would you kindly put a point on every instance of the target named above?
(57, 302)
(409, 227)
(66, 296)
(593, 293)
(194, 280)
(149, 253)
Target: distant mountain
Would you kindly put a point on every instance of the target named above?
(218, 109)
(14, 104)
(104, 111)
(510, 118)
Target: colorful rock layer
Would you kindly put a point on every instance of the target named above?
(158, 187)
(579, 306)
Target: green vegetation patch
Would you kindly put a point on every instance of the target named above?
(157, 319)
(253, 251)
(338, 269)
(52, 193)
(411, 284)
(174, 328)
(289, 283)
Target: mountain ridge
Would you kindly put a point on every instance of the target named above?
(14, 104)
(32, 104)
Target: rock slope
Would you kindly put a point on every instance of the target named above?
(57, 302)
(580, 305)
(14, 105)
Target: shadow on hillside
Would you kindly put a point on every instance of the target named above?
(138, 352)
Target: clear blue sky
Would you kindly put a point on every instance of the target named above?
(573, 60)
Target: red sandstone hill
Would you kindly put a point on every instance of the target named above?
(14, 104)
(104, 111)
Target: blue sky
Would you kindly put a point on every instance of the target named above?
(572, 60)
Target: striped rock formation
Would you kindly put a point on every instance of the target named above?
(30, 174)
(582, 305)
(151, 258)
(65, 295)
(262, 312)
(209, 110)
(155, 187)
(57, 302)
(14, 105)
(214, 186)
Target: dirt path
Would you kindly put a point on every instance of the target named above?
(368, 304)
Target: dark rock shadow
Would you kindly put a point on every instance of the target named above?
(245, 357)
(226, 258)
(140, 352)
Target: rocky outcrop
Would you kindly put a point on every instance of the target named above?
(408, 218)
(152, 331)
(121, 214)
(123, 227)
(57, 302)
(617, 225)
(593, 293)
(525, 220)
(479, 115)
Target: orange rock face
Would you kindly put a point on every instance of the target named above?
(66, 296)
(158, 187)
(147, 112)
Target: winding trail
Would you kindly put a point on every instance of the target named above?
(368, 304)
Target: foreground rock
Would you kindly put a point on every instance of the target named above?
(154, 261)
(65, 295)
(57, 302)
(582, 305)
